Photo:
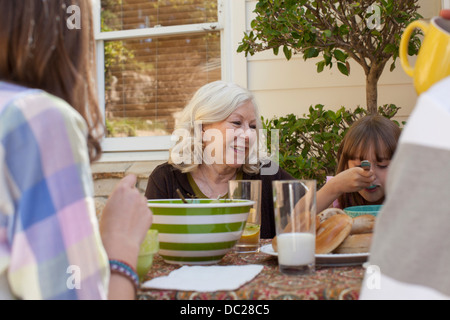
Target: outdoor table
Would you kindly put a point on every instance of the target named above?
(327, 283)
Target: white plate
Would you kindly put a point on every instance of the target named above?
(348, 259)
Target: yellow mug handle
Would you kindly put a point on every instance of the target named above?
(404, 44)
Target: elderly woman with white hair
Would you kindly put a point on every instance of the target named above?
(218, 141)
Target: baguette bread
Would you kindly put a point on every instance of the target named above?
(356, 243)
(332, 232)
(363, 224)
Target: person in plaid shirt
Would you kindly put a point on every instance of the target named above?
(51, 244)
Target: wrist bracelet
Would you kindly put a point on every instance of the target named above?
(126, 270)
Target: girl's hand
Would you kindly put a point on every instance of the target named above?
(350, 180)
(125, 221)
(353, 180)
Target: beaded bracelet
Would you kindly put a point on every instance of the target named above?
(126, 270)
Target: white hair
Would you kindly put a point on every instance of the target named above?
(212, 103)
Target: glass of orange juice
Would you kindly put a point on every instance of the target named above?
(248, 190)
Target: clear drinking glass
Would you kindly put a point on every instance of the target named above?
(295, 213)
(248, 190)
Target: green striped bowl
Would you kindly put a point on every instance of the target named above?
(199, 232)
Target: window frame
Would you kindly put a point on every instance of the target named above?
(231, 24)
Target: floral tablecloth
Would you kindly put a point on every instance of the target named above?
(335, 283)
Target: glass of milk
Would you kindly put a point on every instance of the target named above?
(295, 216)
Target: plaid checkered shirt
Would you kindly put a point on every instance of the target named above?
(50, 246)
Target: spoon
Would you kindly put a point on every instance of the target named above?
(216, 200)
(181, 196)
(366, 165)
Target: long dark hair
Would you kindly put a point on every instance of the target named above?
(372, 131)
(39, 50)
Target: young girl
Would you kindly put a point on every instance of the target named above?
(373, 138)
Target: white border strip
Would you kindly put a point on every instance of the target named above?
(159, 31)
(189, 220)
(186, 253)
(200, 237)
(157, 204)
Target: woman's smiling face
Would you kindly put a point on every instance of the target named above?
(234, 137)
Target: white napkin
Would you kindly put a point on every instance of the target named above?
(205, 278)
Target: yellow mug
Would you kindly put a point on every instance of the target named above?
(433, 60)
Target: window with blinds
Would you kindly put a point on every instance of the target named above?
(148, 80)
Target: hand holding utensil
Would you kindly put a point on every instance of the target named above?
(366, 165)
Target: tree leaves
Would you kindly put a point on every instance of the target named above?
(311, 53)
(340, 56)
(343, 68)
(287, 52)
(320, 66)
(336, 30)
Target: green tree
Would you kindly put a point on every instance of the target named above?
(367, 31)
